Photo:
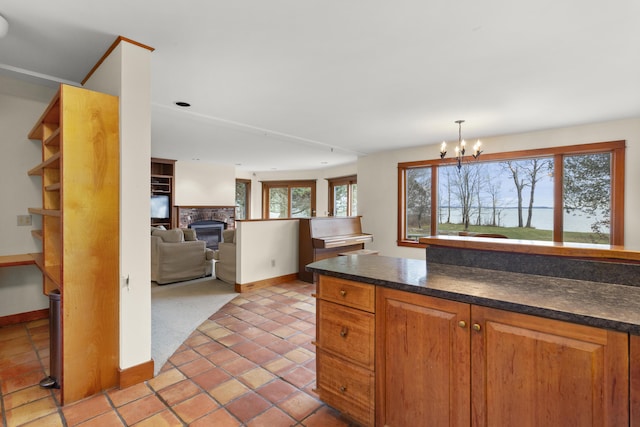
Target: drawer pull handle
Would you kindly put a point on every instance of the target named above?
(343, 293)
(462, 324)
(344, 331)
(477, 327)
(343, 389)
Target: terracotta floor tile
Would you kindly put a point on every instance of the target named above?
(197, 338)
(277, 390)
(245, 347)
(129, 394)
(222, 356)
(165, 379)
(299, 405)
(300, 355)
(218, 333)
(140, 409)
(232, 340)
(252, 333)
(299, 376)
(165, 418)
(279, 365)
(183, 357)
(83, 410)
(272, 417)
(179, 392)
(196, 367)
(326, 417)
(257, 377)
(12, 331)
(248, 406)
(300, 339)
(110, 419)
(18, 345)
(228, 391)
(262, 355)
(211, 379)
(24, 396)
(195, 407)
(52, 420)
(218, 418)
(280, 346)
(12, 384)
(209, 347)
(238, 366)
(31, 411)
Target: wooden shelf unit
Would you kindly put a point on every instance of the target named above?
(162, 183)
(80, 172)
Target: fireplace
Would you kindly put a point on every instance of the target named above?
(210, 231)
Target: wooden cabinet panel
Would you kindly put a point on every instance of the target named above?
(347, 292)
(347, 332)
(634, 379)
(530, 371)
(422, 367)
(347, 386)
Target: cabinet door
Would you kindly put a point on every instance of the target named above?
(422, 360)
(530, 371)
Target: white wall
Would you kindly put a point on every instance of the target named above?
(266, 249)
(378, 177)
(21, 104)
(204, 184)
(127, 74)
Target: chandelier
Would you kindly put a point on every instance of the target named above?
(460, 148)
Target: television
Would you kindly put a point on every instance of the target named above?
(160, 206)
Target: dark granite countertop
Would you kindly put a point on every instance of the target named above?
(606, 305)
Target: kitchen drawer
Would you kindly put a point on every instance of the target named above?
(346, 332)
(347, 292)
(346, 387)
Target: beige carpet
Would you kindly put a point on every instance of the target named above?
(178, 309)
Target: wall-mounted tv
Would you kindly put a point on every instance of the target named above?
(160, 206)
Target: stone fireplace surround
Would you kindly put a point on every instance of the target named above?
(214, 215)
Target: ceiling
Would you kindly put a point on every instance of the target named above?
(310, 84)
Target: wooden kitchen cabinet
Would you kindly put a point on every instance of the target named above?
(532, 371)
(445, 363)
(345, 340)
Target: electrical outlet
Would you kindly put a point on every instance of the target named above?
(24, 220)
(273, 263)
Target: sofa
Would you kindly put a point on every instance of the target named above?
(225, 257)
(178, 255)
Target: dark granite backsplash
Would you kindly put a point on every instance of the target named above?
(621, 273)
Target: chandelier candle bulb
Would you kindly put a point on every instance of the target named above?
(460, 148)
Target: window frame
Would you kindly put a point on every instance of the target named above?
(289, 184)
(343, 180)
(615, 148)
(247, 202)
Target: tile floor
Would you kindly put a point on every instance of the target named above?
(250, 364)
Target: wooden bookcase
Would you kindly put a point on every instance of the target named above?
(162, 184)
(80, 170)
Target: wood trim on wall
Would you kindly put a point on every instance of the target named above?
(273, 281)
(29, 316)
(135, 374)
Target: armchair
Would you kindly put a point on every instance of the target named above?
(174, 258)
(225, 257)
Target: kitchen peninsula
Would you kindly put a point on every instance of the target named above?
(525, 340)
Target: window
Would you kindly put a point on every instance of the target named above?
(243, 198)
(343, 196)
(288, 199)
(562, 194)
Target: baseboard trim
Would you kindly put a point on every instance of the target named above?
(273, 281)
(135, 374)
(24, 317)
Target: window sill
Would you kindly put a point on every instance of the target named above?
(574, 250)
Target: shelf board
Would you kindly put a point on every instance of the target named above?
(51, 162)
(37, 234)
(53, 273)
(16, 260)
(52, 187)
(46, 212)
(54, 138)
(50, 115)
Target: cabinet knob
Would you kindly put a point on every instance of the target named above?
(477, 327)
(343, 389)
(462, 324)
(344, 331)
(343, 293)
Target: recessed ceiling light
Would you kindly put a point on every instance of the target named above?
(182, 104)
